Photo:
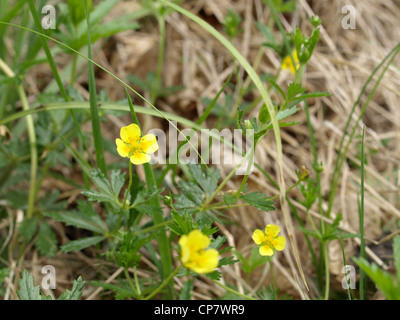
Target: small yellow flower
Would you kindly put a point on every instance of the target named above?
(135, 147)
(287, 62)
(269, 241)
(193, 253)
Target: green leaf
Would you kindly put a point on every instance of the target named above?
(4, 273)
(215, 275)
(98, 196)
(293, 90)
(122, 291)
(183, 223)
(206, 180)
(101, 182)
(309, 232)
(258, 200)
(77, 10)
(229, 199)
(335, 224)
(46, 242)
(77, 245)
(117, 181)
(185, 293)
(28, 228)
(266, 32)
(382, 279)
(253, 261)
(75, 292)
(85, 218)
(218, 242)
(27, 289)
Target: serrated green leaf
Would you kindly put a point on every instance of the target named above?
(215, 275)
(207, 180)
(185, 293)
(218, 242)
(117, 181)
(98, 196)
(226, 260)
(293, 90)
(46, 242)
(77, 245)
(85, 218)
(229, 199)
(76, 291)
(382, 279)
(183, 223)
(258, 200)
(28, 228)
(27, 289)
(101, 182)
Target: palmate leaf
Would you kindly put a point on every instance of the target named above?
(27, 228)
(27, 289)
(206, 180)
(46, 242)
(76, 291)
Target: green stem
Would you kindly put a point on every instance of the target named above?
(128, 278)
(32, 139)
(164, 283)
(327, 274)
(136, 281)
(46, 49)
(160, 62)
(272, 278)
(162, 238)
(361, 221)
(233, 291)
(94, 112)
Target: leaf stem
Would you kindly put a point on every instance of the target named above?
(233, 291)
(164, 283)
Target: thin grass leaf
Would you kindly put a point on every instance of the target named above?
(94, 114)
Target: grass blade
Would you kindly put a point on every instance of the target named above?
(97, 136)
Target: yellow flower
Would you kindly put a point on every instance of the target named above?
(269, 241)
(287, 62)
(135, 147)
(193, 253)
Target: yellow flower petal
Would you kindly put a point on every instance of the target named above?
(140, 158)
(185, 252)
(272, 231)
(148, 143)
(206, 262)
(122, 149)
(287, 62)
(259, 236)
(266, 250)
(131, 133)
(197, 240)
(279, 243)
(194, 256)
